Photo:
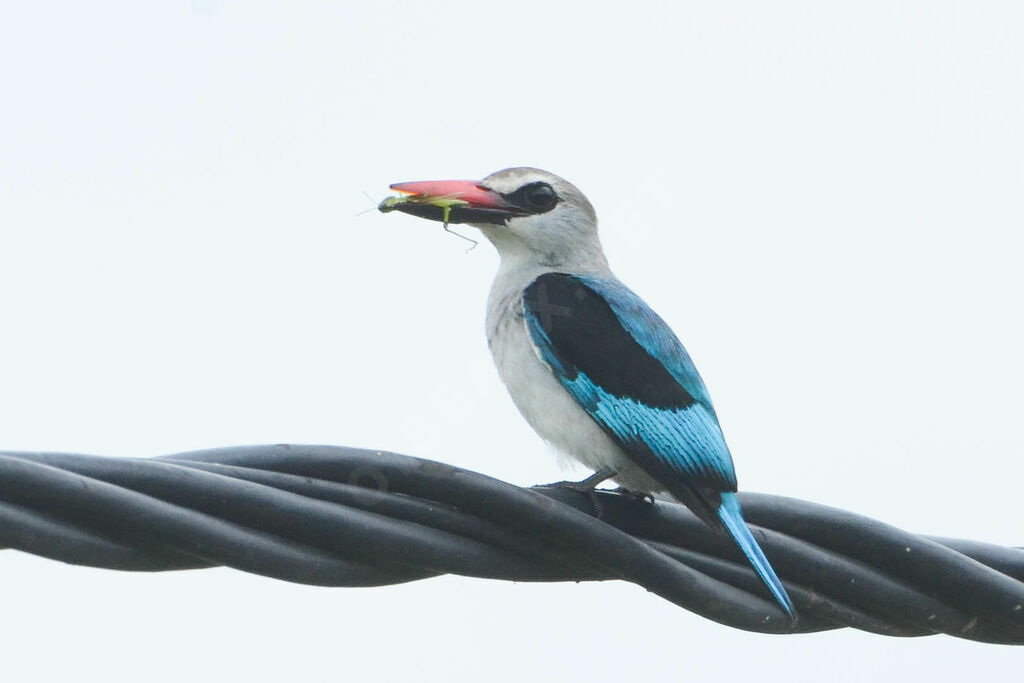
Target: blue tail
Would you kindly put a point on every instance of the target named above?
(731, 516)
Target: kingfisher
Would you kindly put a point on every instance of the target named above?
(591, 367)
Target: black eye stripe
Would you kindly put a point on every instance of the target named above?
(536, 197)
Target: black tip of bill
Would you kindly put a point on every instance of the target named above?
(447, 210)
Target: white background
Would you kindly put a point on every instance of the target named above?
(823, 199)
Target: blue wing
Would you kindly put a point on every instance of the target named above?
(628, 371)
(653, 334)
(626, 368)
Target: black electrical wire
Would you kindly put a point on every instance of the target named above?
(336, 516)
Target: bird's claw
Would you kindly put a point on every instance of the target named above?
(584, 488)
(589, 487)
(638, 496)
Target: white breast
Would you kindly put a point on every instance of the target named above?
(538, 395)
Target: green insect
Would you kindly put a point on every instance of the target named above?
(446, 204)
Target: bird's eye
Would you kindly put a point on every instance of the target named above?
(538, 197)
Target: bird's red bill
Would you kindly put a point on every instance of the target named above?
(468, 191)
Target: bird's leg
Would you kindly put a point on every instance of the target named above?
(586, 485)
(589, 487)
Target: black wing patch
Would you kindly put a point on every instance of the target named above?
(589, 338)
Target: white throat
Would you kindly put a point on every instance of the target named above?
(520, 265)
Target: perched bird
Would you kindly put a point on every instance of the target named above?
(590, 366)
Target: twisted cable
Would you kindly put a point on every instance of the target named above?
(335, 516)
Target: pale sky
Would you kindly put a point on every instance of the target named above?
(822, 199)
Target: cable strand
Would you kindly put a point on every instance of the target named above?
(335, 516)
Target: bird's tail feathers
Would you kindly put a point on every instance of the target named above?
(702, 502)
(732, 518)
